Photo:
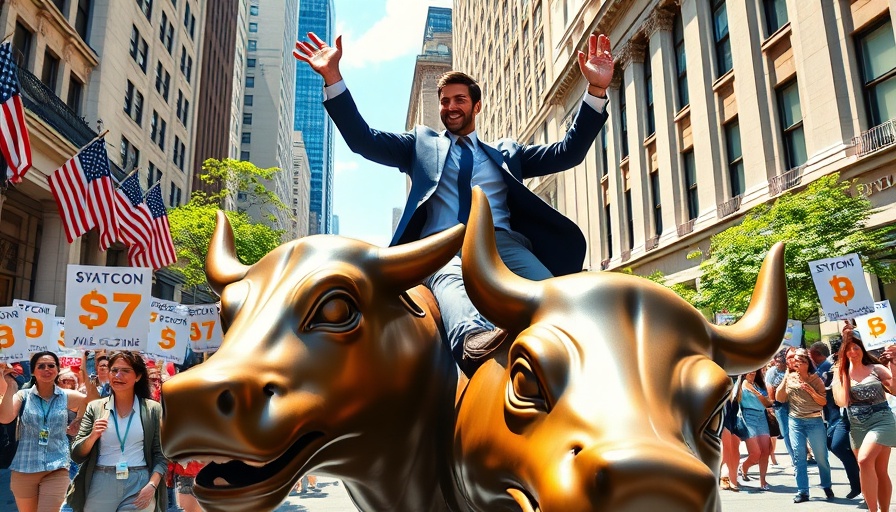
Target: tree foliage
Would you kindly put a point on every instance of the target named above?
(824, 220)
(192, 224)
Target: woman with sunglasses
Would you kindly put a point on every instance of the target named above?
(118, 446)
(805, 392)
(39, 475)
(860, 385)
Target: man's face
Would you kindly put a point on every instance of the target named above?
(102, 370)
(457, 110)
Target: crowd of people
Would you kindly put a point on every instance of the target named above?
(818, 403)
(91, 442)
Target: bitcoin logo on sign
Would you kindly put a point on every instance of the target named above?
(7, 338)
(91, 304)
(34, 328)
(877, 326)
(843, 289)
(167, 341)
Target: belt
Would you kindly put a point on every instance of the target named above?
(112, 469)
(862, 412)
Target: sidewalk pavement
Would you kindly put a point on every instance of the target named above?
(333, 497)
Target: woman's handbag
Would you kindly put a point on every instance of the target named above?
(774, 429)
(740, 428)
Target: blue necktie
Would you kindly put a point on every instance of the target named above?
(464, 176)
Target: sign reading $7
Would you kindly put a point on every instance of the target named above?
(97, 315)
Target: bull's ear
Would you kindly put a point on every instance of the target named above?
(754, 339)
(221, 265)
(407, 265)
(503, 297)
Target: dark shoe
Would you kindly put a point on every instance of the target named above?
(800, 497)
(853, 493)
(811, 461)
(479, 345)
(828, 493)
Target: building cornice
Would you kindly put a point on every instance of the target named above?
(48, 14)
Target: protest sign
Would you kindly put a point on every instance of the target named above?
(169, 331)
(877, 329)
(107, 307)
(39, 325)
(13, 346)
(840, 283)
(205, 327)
(793, 334)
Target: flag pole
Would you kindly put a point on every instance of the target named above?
(98, 137)
(6, 37)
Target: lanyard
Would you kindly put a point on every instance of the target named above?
(128, 429)
(46, 410)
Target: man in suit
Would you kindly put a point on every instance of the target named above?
(534, 240)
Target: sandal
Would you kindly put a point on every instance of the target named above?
(743, 474)
(725, 483)
(764, 487)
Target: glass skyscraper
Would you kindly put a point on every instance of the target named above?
(312, 120)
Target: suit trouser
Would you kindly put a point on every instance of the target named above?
(459, 316)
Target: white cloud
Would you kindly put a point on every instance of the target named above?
(341, 166)
(398, 33)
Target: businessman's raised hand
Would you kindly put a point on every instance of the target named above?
(322, 58)
(597, 65)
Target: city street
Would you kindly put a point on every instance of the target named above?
(333, 498)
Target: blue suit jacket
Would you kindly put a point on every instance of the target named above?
(421, 154)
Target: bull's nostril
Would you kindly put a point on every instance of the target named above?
(226, 402)
(576, 450)
(271, 389)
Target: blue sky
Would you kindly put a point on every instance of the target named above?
(381, 39)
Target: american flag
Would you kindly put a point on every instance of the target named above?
(135, 222)
(163, 246)
(14, 142)
(69, 185)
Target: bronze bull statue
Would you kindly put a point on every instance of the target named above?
(608, 395)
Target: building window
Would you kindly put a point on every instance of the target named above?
(623, 123)
(23, 40)
(253, 45)
(735, 158)
(146, 7)
(163, 80)
(629, 219)
(249, 100)
(680, 62)
(75, 90)
(130, 155)
(82, 18)
(186, 63)
(189, 21)
(608, 231)
(253, 10)
(877, 54)
(139, 48)
(166, 33)
(179, 150)
(605, 161)
(792, 124)
(183, 107)
(133, 103)
(173, 196)
(246, 138)
(244, 156)
(648, 90)
(247, 118)
(250, 63)
(250, 81)
(657, 207)
(775, 15)
(722, 41)
(50, 71)
(690, 184)
(253, 27)
(153, 175)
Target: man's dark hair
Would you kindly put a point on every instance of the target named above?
(821, 348)
(457, 77)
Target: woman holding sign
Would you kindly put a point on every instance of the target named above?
(861, 386)
(39, 475)
(118, 445)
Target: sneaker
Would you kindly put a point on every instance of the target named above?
(800, 497)
(853, 493)
(828, 493)
(479, 345)
(862, 505)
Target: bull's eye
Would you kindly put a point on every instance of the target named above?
(524, 389)
(335, 312)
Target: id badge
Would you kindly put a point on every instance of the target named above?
(121, 470)
(43, 437)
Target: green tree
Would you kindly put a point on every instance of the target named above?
(822, 221)
(192, 224)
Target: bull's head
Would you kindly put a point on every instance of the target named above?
(326, 361)
(611, 394)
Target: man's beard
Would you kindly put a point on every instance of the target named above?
(465, 121)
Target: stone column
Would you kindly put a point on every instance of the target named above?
(55, 255)
(634, 90)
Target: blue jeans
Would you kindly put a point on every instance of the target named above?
(7, 501)
(813, 431)
(459, 316)
(782, 413)
(838, 442)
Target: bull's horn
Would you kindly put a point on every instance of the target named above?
(753, 340)
(221, 265)
(407, 265)
(503, 297)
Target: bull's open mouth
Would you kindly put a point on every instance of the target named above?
(236, 474)
(525, 500)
